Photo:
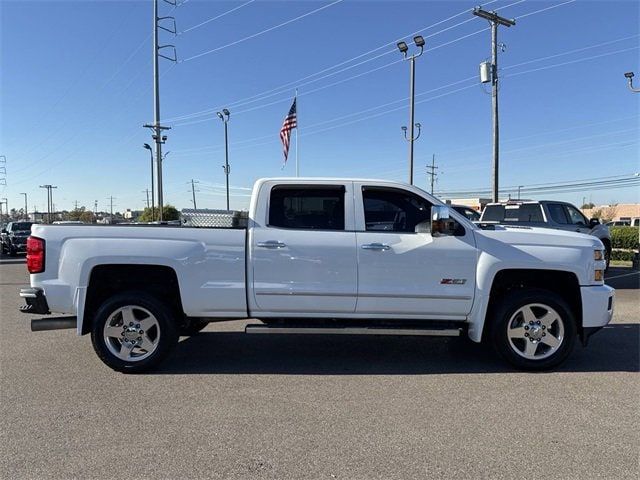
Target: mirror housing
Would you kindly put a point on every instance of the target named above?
(594, 222)
(441, 222)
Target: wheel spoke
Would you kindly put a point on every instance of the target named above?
(147, 323)
(528, 315)
(548, 318)
(127, 315)
(125, 350)
(114, 332)
(550, 340)
(530, 348)
(517, 332)
(146, 343)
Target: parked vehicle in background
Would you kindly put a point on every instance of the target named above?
(68, 222)
(14, 237)
(632, 222)
(468, 212)
(547, 214)
(322, 256)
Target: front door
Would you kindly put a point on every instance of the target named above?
(407, 274)
(303, 255)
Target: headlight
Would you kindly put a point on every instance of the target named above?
(598, 255)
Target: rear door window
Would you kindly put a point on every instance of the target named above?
(307, 208)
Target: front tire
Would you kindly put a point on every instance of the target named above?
(133, 332)
(533, 329)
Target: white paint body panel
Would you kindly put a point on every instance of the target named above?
(321, 273)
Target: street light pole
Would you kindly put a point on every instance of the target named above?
(153, 199)
(495, 20)
(224, 116)
(404, 48)
(26, 210)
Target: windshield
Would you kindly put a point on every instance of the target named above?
(21, 226)
(524, 212)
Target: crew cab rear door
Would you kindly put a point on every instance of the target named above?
(402, 273)
(302, 249)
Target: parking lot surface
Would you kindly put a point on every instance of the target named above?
(229, 405)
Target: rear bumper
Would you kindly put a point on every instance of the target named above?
(597, 305)
(35, 301)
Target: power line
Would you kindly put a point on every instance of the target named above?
(288, 85)
(216, 17)
(249, 37)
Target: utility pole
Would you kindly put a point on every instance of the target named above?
(147, 190)
(75, 205)
(495, 20)
(404, 48)
(431, 171)
(111, 214)
(193, 192)
(519, 187)
(224, 116)
(26, 209)
(157, 128)
(49, 200)
(95, 211)
(6, 204)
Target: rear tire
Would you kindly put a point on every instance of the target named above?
(133, 332)
(533, 329)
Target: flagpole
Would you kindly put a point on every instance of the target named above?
(297, 126)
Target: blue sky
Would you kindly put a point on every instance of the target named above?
(77, 78)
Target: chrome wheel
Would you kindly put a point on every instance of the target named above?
(535, 331)
(131, 333)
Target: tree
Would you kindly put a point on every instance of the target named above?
(169, 212)
(588, 205)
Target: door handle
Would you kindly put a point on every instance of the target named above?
(376, 246)
(272, 244)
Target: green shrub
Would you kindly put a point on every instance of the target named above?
(626, 255)
(625, 237)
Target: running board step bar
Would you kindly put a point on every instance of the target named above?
(438, 332)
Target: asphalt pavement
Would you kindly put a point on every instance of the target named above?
(229, 405)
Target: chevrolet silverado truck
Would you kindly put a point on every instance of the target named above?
(322, 256)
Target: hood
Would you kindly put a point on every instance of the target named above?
(520, 235)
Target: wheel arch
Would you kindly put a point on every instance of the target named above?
(106, 280)
(561, 282)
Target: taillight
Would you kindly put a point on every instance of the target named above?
(35, 255)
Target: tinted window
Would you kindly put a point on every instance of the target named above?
(391, 210)
(21, 226)
(525, 212)
(576, 216)
(313, 208)
(468, 212)
(557, 213)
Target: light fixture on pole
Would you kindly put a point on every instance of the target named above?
(418, 40)
(629, 77)
(224, 116)
(153, 199)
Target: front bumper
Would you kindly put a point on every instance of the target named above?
(35, 301)
(597, 305)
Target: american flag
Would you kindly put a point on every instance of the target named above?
(290, 122)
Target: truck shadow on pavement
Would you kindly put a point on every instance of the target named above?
(614, 349)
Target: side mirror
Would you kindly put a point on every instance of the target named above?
(594, 222)
(441, 222)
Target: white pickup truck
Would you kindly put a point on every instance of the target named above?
(327, 256)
